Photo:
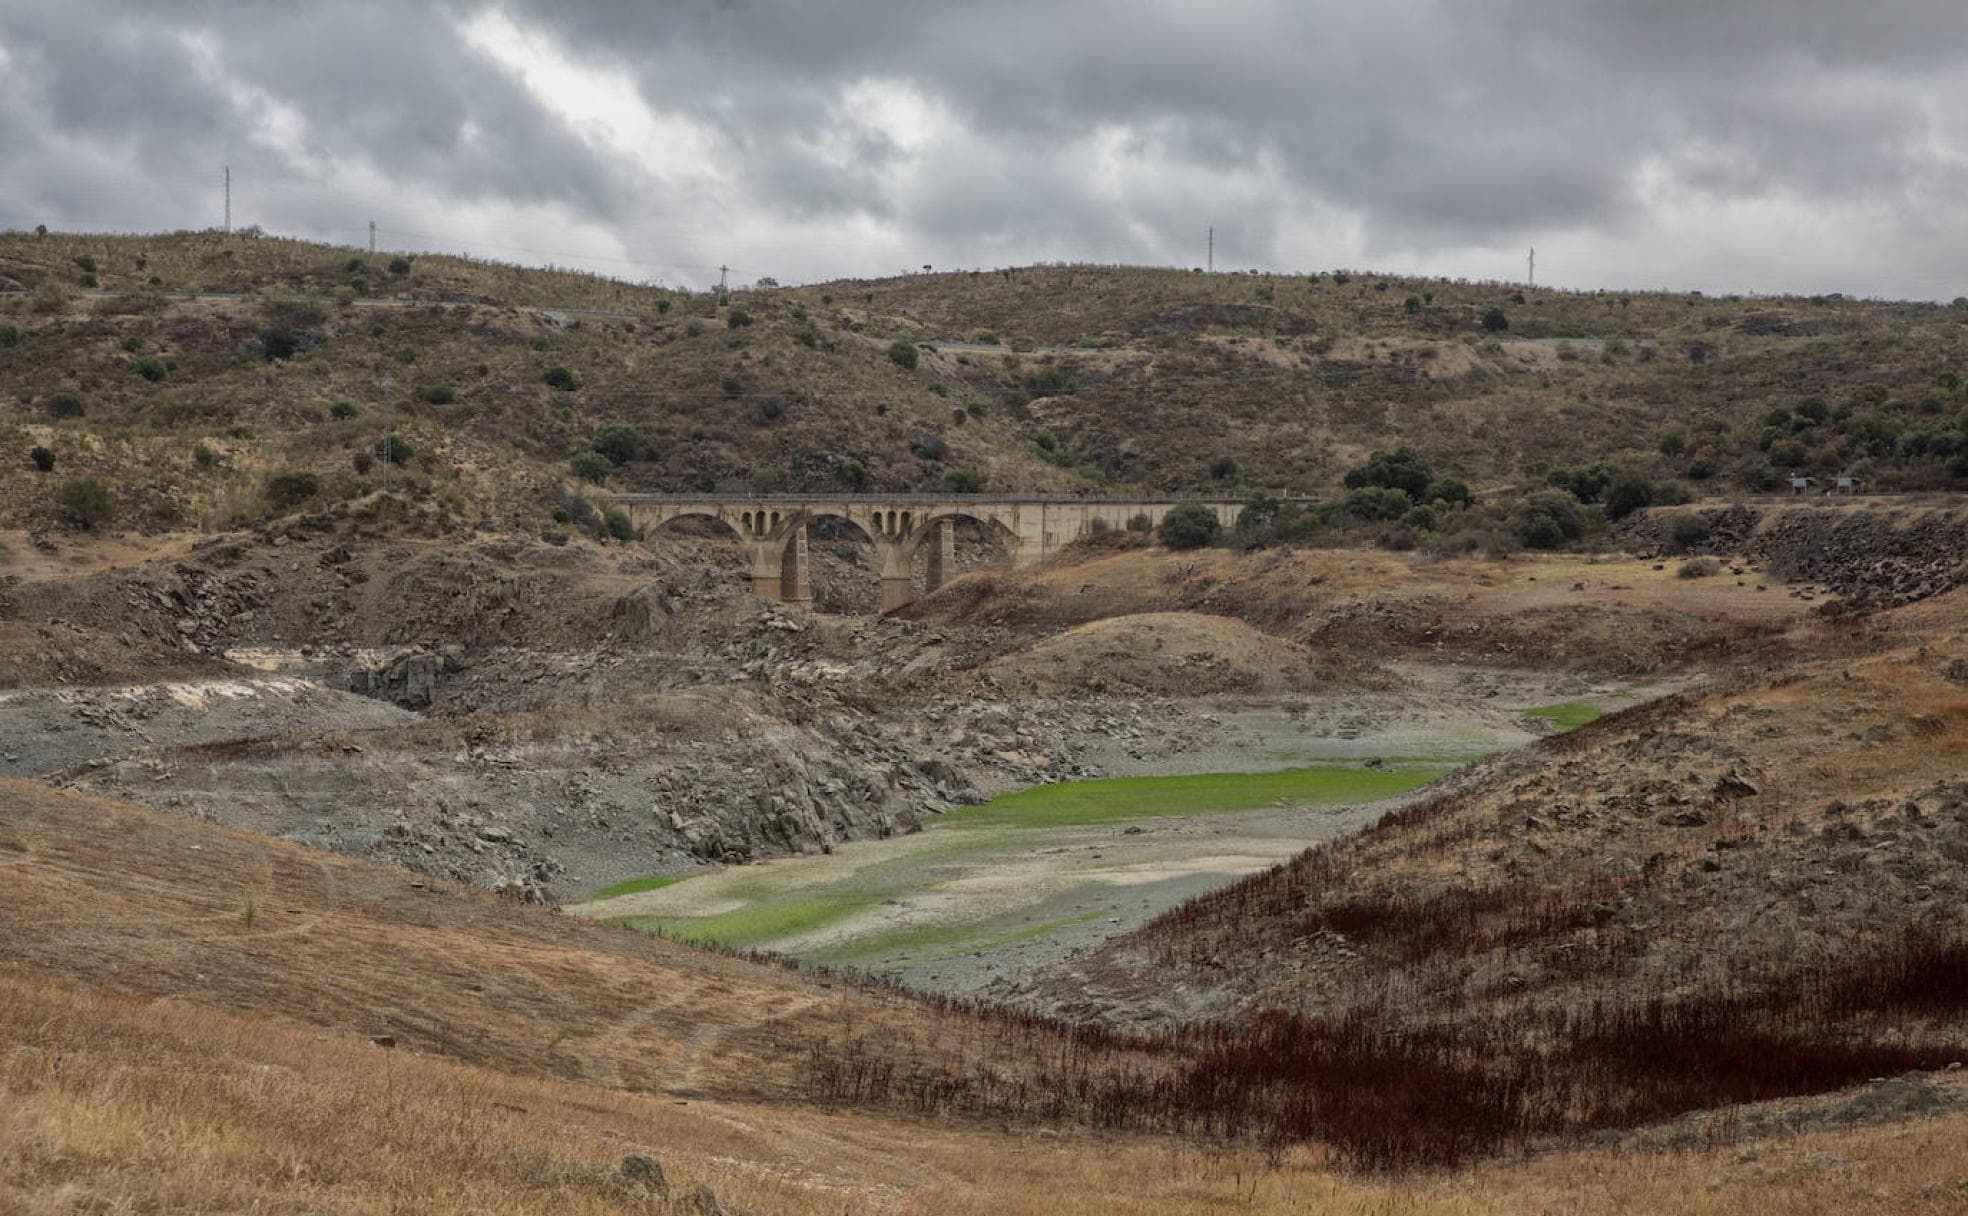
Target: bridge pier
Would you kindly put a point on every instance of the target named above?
(942, 546)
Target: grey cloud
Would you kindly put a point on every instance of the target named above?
(1440, 127)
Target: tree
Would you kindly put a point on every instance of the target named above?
(904, 354)
(591, 466)
(562, 379)
(43, 459)
(1376, 503)
(1189, 525)
(84, 501)
(1494, 321)
(618, 441)
(63, 405)
(1547, 519)
(1402, 469)
(617, 522)
(1628, 493)
(1452, 490)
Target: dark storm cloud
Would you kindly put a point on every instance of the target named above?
(1414, 130)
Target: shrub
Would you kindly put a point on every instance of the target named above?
(355, 266)
(1189, 525)
(1494, 321)
(438, 394)
(63, 405)
(1584, 484)
(364, 461)
(1688, 531)
(854, 475)
(86, 263)
(1673, 443)
(1223, 468)
(1546, 520)
(1139, 522)
(737, 318)
(84, 501)
(344, 410)
(399, 266)
(284, 490)
(1421, 519)
(591, 466)
(43, 459)
(1047, 441)
(616, 521)
(279, 342)
(1402, 469)
(768, 409)
(561, 515)
(393, 449)
(619, 441)
(929, 447)
(150, 367)
(1698, 567)
(904, 354)
(964, 481)
(9, 336)
(1628, 493)
(1398, 539)
(1451, 490)
(204, 457)
(49, 297)
(1412, 304)
(561, 378)
(1375, 503)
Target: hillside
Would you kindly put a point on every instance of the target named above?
(1052, 378)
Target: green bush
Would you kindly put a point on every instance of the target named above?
(1375, 503)
(1421, 519)
(1451, 490)
(1688, 531)
(619, 441)
(9, 336)
(964, 481)
(1139, 522)
(616, 521)
(43, 459)
(737, 318)
(1547, 519)
(394, 450)
(1698, 567)
(344, 410)
(63, 405)
(438, 394)
(904, 354)
(399, 266)
(591, 466)
(1629, 492)
(84, 501)
(86, 263)
(1402, 469)
(1584, 484)
(1189, 525)
(1223, 468)
(1047, 441)
(284, 490)
(150, 367)
(279, 342)
(1494, 321)
(562, 379)
(204, 457)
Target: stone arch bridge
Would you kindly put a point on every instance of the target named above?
(773, 528)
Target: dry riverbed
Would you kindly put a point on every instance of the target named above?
(987, 894)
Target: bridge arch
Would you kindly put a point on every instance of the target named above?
(719, 517)
(993, 526)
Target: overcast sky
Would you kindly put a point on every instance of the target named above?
(1725, 145)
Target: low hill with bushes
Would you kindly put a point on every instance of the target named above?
(210, 380)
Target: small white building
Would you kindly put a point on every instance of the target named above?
(1799, 485)
(1845, 485)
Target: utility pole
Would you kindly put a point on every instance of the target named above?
(389, 420)
(372, 238)
(1212, 249)
(228, 199)
(1532, 274)
(723, 272)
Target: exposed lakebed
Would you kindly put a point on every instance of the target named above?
(986, 894)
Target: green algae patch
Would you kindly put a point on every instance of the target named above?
(1122, 799)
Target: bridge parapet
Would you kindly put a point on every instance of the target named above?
(773, 528)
